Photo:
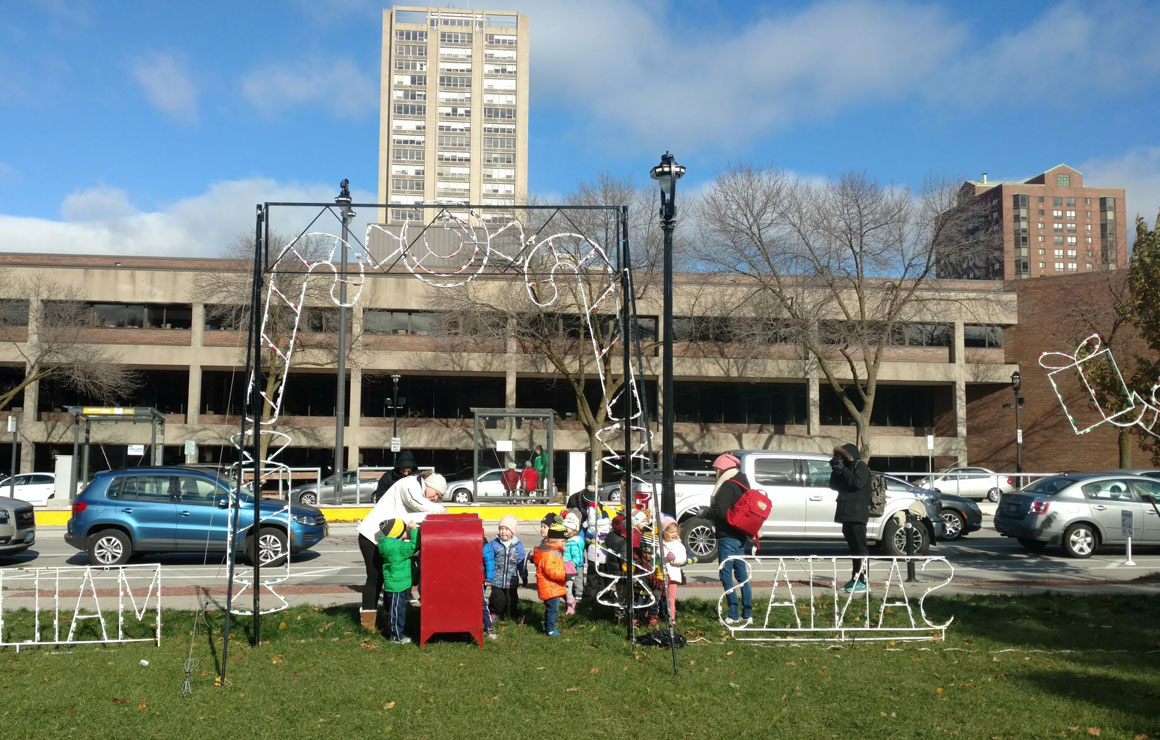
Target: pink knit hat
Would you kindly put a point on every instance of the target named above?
(726, 461)
(666, 520)
(510, 522)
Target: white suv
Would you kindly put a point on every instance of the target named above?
(797, 484)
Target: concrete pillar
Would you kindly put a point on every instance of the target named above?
(193, 394)
(813, 407)
(961, 420)
(511, 362)
(353, 437)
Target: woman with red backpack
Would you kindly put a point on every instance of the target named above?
(731, 485)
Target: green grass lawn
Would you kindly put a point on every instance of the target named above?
(1027, 667)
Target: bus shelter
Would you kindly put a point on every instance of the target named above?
(88, 414)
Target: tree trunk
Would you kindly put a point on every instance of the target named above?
(1125, 441)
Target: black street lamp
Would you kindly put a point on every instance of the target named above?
(1016, 383)
(395, 412)
(666, 174)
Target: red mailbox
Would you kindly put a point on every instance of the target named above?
(451, 575)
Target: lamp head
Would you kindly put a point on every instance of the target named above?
(1016, 380)
(667, 173)
(395, 377)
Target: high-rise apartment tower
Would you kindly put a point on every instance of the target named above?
(453, 123)
(1051, 224)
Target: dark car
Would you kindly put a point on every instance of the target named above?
(960, 515)
(178, 509)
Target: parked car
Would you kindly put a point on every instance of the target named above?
(1080, 512)
(1146, 472)
(126, 512)
(355, 490)
(17, 526)
(488, 485)
(978, 483)
(803, 505)
(960, 516)
(612, 491)
(35, 488)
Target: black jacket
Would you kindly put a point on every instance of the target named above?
(723, 501)
(393, 476)
(851, 479)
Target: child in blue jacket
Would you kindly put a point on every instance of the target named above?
(573, 560)
(505, 567)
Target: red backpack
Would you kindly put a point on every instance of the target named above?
(750, 512)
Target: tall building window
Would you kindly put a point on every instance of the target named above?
(1063, 181)
(1021, 240)
(1057, 201)
(1108, 230)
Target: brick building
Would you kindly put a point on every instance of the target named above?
(1055, 315)
(1051, 224)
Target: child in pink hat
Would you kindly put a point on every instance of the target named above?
(505, 568)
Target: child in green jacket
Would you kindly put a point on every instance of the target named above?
(397, 554)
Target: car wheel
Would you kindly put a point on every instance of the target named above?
(1079, 541)
(954, 524)
(109, 547)
(1032, 545)
(461, 496)
(614, 495)
(894, 538)
(271, 547)
(699, 538)
(310, 498)
(993, 495)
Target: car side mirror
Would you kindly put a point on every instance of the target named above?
(222, 502)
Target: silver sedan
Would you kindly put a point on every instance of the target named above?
(1081, 511)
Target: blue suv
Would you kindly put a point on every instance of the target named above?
(175, 509)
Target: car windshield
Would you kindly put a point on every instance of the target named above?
(1049, 486)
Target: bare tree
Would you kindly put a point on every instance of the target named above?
(837, 267)
(314, 328)
(569, 327)
(54, 346)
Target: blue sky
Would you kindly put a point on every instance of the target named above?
(134, 127)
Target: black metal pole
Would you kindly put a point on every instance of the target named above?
(342, 200)
(1018, 444)
(668, 483)
(231, 556)
(256, 409)
(626, 493)
(395, 417)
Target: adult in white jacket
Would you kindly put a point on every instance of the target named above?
(410, 499)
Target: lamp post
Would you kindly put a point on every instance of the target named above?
(343, 201)
(395, 417)
(1016, 382)
(666, 174)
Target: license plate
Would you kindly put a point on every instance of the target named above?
(1012, 508)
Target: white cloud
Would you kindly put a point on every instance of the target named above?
(168, 86)
(635, 73)
(335, 84)
(101, 203)
(1100, 48)
(1138, 172)
(200, 226)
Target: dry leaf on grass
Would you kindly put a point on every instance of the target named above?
(389, 705)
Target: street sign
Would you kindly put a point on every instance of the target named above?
(12, 424)
(136, 450)
(930, 441)
(190, 447)
(396, 444)
(1019, 436)
(503, 445)
(1126, 523)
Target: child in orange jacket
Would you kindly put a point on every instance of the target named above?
(550, 575)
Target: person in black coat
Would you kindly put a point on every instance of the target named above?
(731, 484)
(404, 466)
(850, 477)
